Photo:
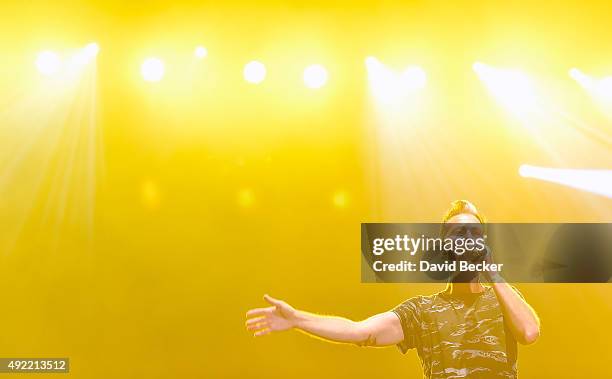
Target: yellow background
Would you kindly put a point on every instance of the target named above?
(207, 192)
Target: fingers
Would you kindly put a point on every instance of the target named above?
(488, 256)
(272, 300)
(259, 311)
(254, 321)
(257, 319)
(262, 332)
(258, 325)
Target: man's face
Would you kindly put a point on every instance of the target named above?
(465, 226)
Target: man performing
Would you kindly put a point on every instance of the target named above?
(466, 331)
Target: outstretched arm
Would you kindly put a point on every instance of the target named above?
(383, 329)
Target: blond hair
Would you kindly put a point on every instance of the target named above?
(461, 207)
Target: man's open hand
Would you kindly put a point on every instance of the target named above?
(280, 316)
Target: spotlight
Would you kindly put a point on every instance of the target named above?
(479, 67)
(85, 55)
(200, 52)
(315, 76)
(605, 88)
(413, 78)
(91, 50)
(246, 198)
(590, 180)
(394, 88)
(376, 70)
(48, 62)
(254, 72)
(512, 88)
(152, 69)
(340, 199)
(371, 62)
(601, 89)
(581, 78)
(150, 195)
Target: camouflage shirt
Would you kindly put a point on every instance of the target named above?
(458, 337)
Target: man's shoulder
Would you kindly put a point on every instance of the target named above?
(421, 302)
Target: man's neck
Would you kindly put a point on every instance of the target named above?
(473, 286)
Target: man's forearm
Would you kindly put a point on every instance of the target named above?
(330, 328)
(520, 317)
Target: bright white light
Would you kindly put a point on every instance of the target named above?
(511, 88)
(601, 88)
(478, 67)
(394, 88)
(590, 180)
(200, 52)
(92, 50)
(48, 62)
(371, 62)
(152, 69)
(524, 170)
(584, 80)
(254, 72)
(85, 55)
(315, 76)
(604, 89)
(413, 78)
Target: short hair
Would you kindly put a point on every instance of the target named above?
(460, 207)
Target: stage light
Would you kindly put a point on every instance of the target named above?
(315, 76)
(378, 74)
(590, 180)
(150, 195)
(91, 50)
(254, 72)
(245, 198)
(200, 52)
(152, 69)
(371, 62)
(48, 62)
(413, 78)
(85, 55)
(394, 88)
(512, 88)
(340, 199)
(584, 80)
(601, 89)
(605, 88)
(524, 171)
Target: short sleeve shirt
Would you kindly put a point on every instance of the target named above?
(458, 337)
